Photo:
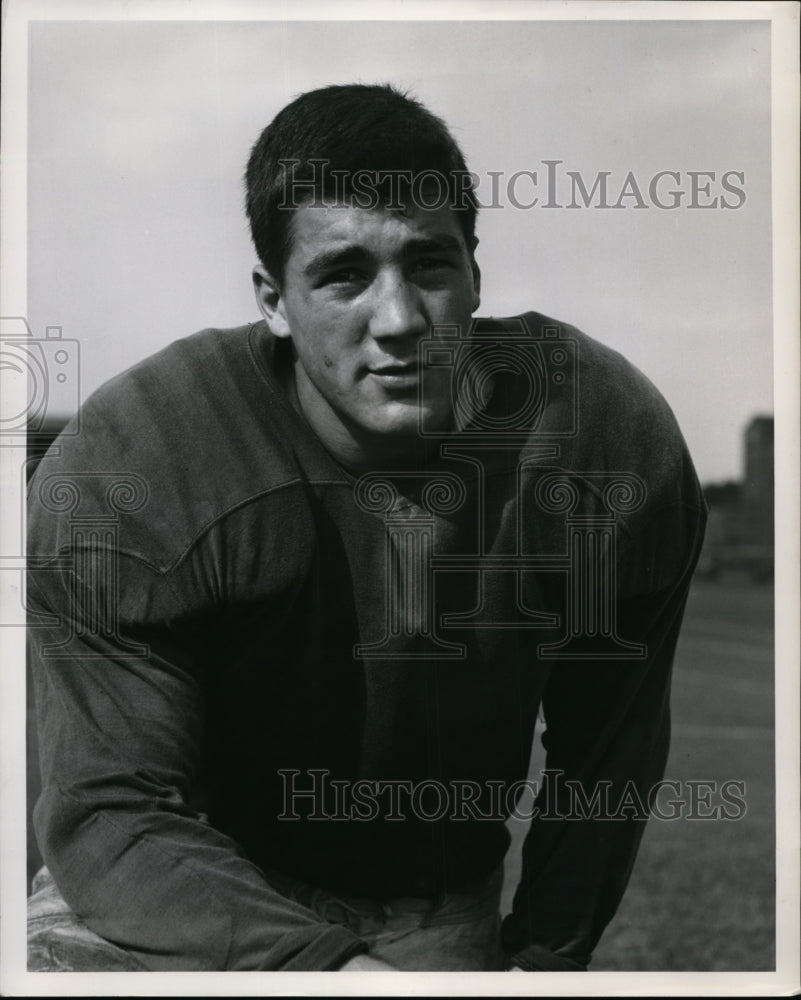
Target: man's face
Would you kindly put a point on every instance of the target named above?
(361, 289)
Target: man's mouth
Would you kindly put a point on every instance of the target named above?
(399, 375)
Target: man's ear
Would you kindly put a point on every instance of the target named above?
(476, 277)
(270, 301)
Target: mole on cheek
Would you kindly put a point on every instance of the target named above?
(328, 362)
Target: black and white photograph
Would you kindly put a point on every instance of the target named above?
(400, 487)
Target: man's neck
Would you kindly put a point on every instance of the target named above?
(358, 453)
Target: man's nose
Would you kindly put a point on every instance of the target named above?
(398, 310)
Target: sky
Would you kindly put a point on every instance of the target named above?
(138, 133)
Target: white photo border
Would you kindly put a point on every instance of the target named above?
(784, 17)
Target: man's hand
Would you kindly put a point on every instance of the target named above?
(363, 963)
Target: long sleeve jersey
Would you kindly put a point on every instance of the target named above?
(247, 659)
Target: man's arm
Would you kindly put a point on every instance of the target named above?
(120, 738)
(607, 740)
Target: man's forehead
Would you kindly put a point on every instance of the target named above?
(316, 226)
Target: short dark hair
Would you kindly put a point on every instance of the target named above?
(324, 139)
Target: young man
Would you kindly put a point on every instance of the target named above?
(299, 590)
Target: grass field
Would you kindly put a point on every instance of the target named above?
(702, 894)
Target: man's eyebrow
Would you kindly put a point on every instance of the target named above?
(328, 259)
(431, 244)
(334, 258)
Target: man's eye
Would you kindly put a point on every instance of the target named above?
(431, 264)
(345, 276)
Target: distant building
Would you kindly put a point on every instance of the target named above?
(757, 499)
(740, 530)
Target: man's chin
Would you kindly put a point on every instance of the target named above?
(411, 422)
